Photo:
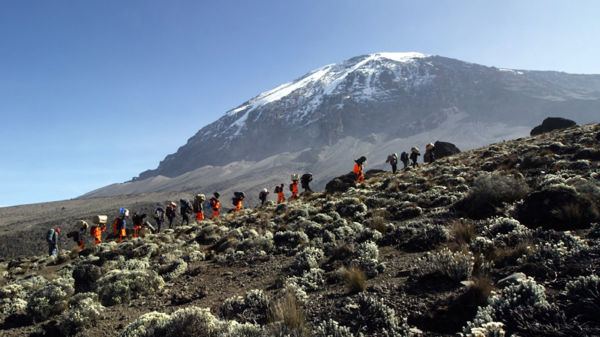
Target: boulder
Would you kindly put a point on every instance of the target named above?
(558, 209)
(444, 149)
(341, 183)
(552, 123)
(373, 172)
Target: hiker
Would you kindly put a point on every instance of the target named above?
(52, 237)
(238, 201)
(392, 159)
(280, 194)
(215, 205)
(404, 159)
(159, 217)
(429, 157)
(81, 234)
(78, 235)
(305, 182)
(294, 187)
(185, 209)
(138, 223)
(263, 196)
(414, 155)
(359, 169)
(199, 207)
(120, 224)
(171, 213)
(98, 228)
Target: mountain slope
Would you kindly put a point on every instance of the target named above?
(397, 94)
(400, 253)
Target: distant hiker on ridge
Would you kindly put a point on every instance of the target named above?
(185, 209)
(305, 182)
(392, 159)
(262, 196)
(99, 227)
(359, 169)
(52, 237)
(215, 205)
(414, 156)
(159, 217)
(404, 158)
(294, 186)
(171, 213)
(429, 157)
(238, 201)
(199, 207)
(280, 194)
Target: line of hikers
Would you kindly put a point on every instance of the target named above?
(196, 208)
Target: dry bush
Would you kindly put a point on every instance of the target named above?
(462, 233)
(505, 256)
(287, 317)
(355, 279)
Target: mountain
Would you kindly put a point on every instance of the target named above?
(371, 104)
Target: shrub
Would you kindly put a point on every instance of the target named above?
(506, 231)
(372, 316)
(367, 259)
(490, 329)
(307, 259)
(489, 192)
(351, 208)
(417, 236)
(331, 328)
(252, 307)
(120, 286)
(290, 239)
(311, 280)
(49, 300)
(174, 270)
(85, 276)
(583, 294)
(84, 312)
(509, 301)
(188, 322)
(456, 266)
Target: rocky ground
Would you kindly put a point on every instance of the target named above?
(502, 240)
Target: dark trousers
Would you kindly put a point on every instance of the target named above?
(171, 222)
(405, 163)
(159, 223)
(185, 218)
(394, 168)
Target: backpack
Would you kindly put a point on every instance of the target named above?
(50, 235)
(404, 156)
(185, 204)
(239, 195)
(307, 177)
(159, 213)
(291, 187)
(277, 189)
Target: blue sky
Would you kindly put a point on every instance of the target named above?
(94, 92)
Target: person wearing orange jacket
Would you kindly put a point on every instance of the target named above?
(198, 207)
(96, 233)
(280, 194)
(238, 201)
(359, 169)
(215, 205)
(294, 187)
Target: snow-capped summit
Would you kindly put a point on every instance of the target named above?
(386, 94)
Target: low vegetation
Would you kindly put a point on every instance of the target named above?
(451, 247)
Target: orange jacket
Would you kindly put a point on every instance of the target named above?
(239, 205)
(294, 187)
